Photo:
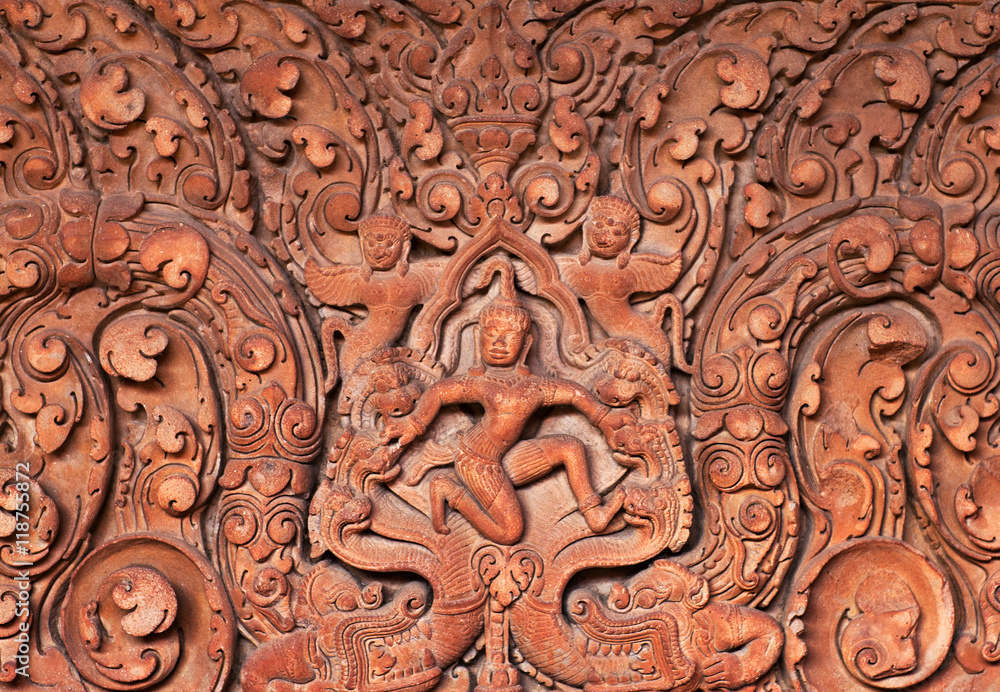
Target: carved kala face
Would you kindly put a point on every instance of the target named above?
(500, 342)
(382, 247)
(607, 235)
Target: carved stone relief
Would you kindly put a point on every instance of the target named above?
(481, 346)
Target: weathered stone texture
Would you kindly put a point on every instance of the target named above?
(464, 345)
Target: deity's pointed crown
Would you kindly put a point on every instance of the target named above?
(506, 305)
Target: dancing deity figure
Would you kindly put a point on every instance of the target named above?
(490, 461)
(385, 282)
(606, 274)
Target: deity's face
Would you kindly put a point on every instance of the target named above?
(381, 246)
(500, 341)
(607, 234)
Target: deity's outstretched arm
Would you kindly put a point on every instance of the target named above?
(563, 392)
(456, 390)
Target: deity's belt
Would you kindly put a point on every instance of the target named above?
(484, 477)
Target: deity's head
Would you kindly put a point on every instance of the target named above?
(385, 242)
(504, 326)
(611, 230)
(880, 642)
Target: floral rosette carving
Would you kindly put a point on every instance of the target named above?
(890, 619)
(124, 620)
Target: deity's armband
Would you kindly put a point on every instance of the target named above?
(417, 426)
(598, 415)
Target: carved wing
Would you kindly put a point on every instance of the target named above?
(570, 269)
(427, 273)
(339, 284)
(655, 273)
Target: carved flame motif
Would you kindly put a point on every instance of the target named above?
(597, 346)
(491, 88)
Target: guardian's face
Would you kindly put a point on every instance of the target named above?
(607, 236)
(500, 342)
(382, 247)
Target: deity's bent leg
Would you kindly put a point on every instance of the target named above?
(487, 499)
(530, 460)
